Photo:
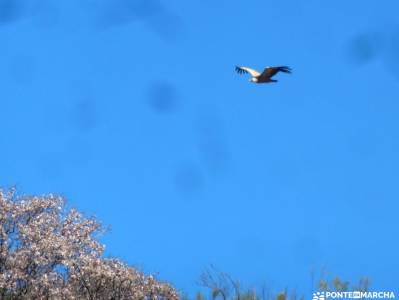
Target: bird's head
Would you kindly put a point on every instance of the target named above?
(253, 79)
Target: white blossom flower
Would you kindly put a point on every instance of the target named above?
(48, 252)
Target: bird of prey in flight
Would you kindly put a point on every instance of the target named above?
(265, 76)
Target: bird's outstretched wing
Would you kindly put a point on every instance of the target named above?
(271, 71)
(241, 70)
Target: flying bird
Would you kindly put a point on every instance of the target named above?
(265, 76)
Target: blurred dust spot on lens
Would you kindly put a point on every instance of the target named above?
(189, 179)
(162, 97)
(10, 11)
(364, 48)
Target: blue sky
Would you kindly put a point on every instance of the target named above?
(133, 112)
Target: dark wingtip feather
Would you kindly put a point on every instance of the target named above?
(239, 70)
(285, 69)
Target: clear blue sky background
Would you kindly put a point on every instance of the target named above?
(133, 112)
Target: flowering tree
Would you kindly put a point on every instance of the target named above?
(49, 252)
